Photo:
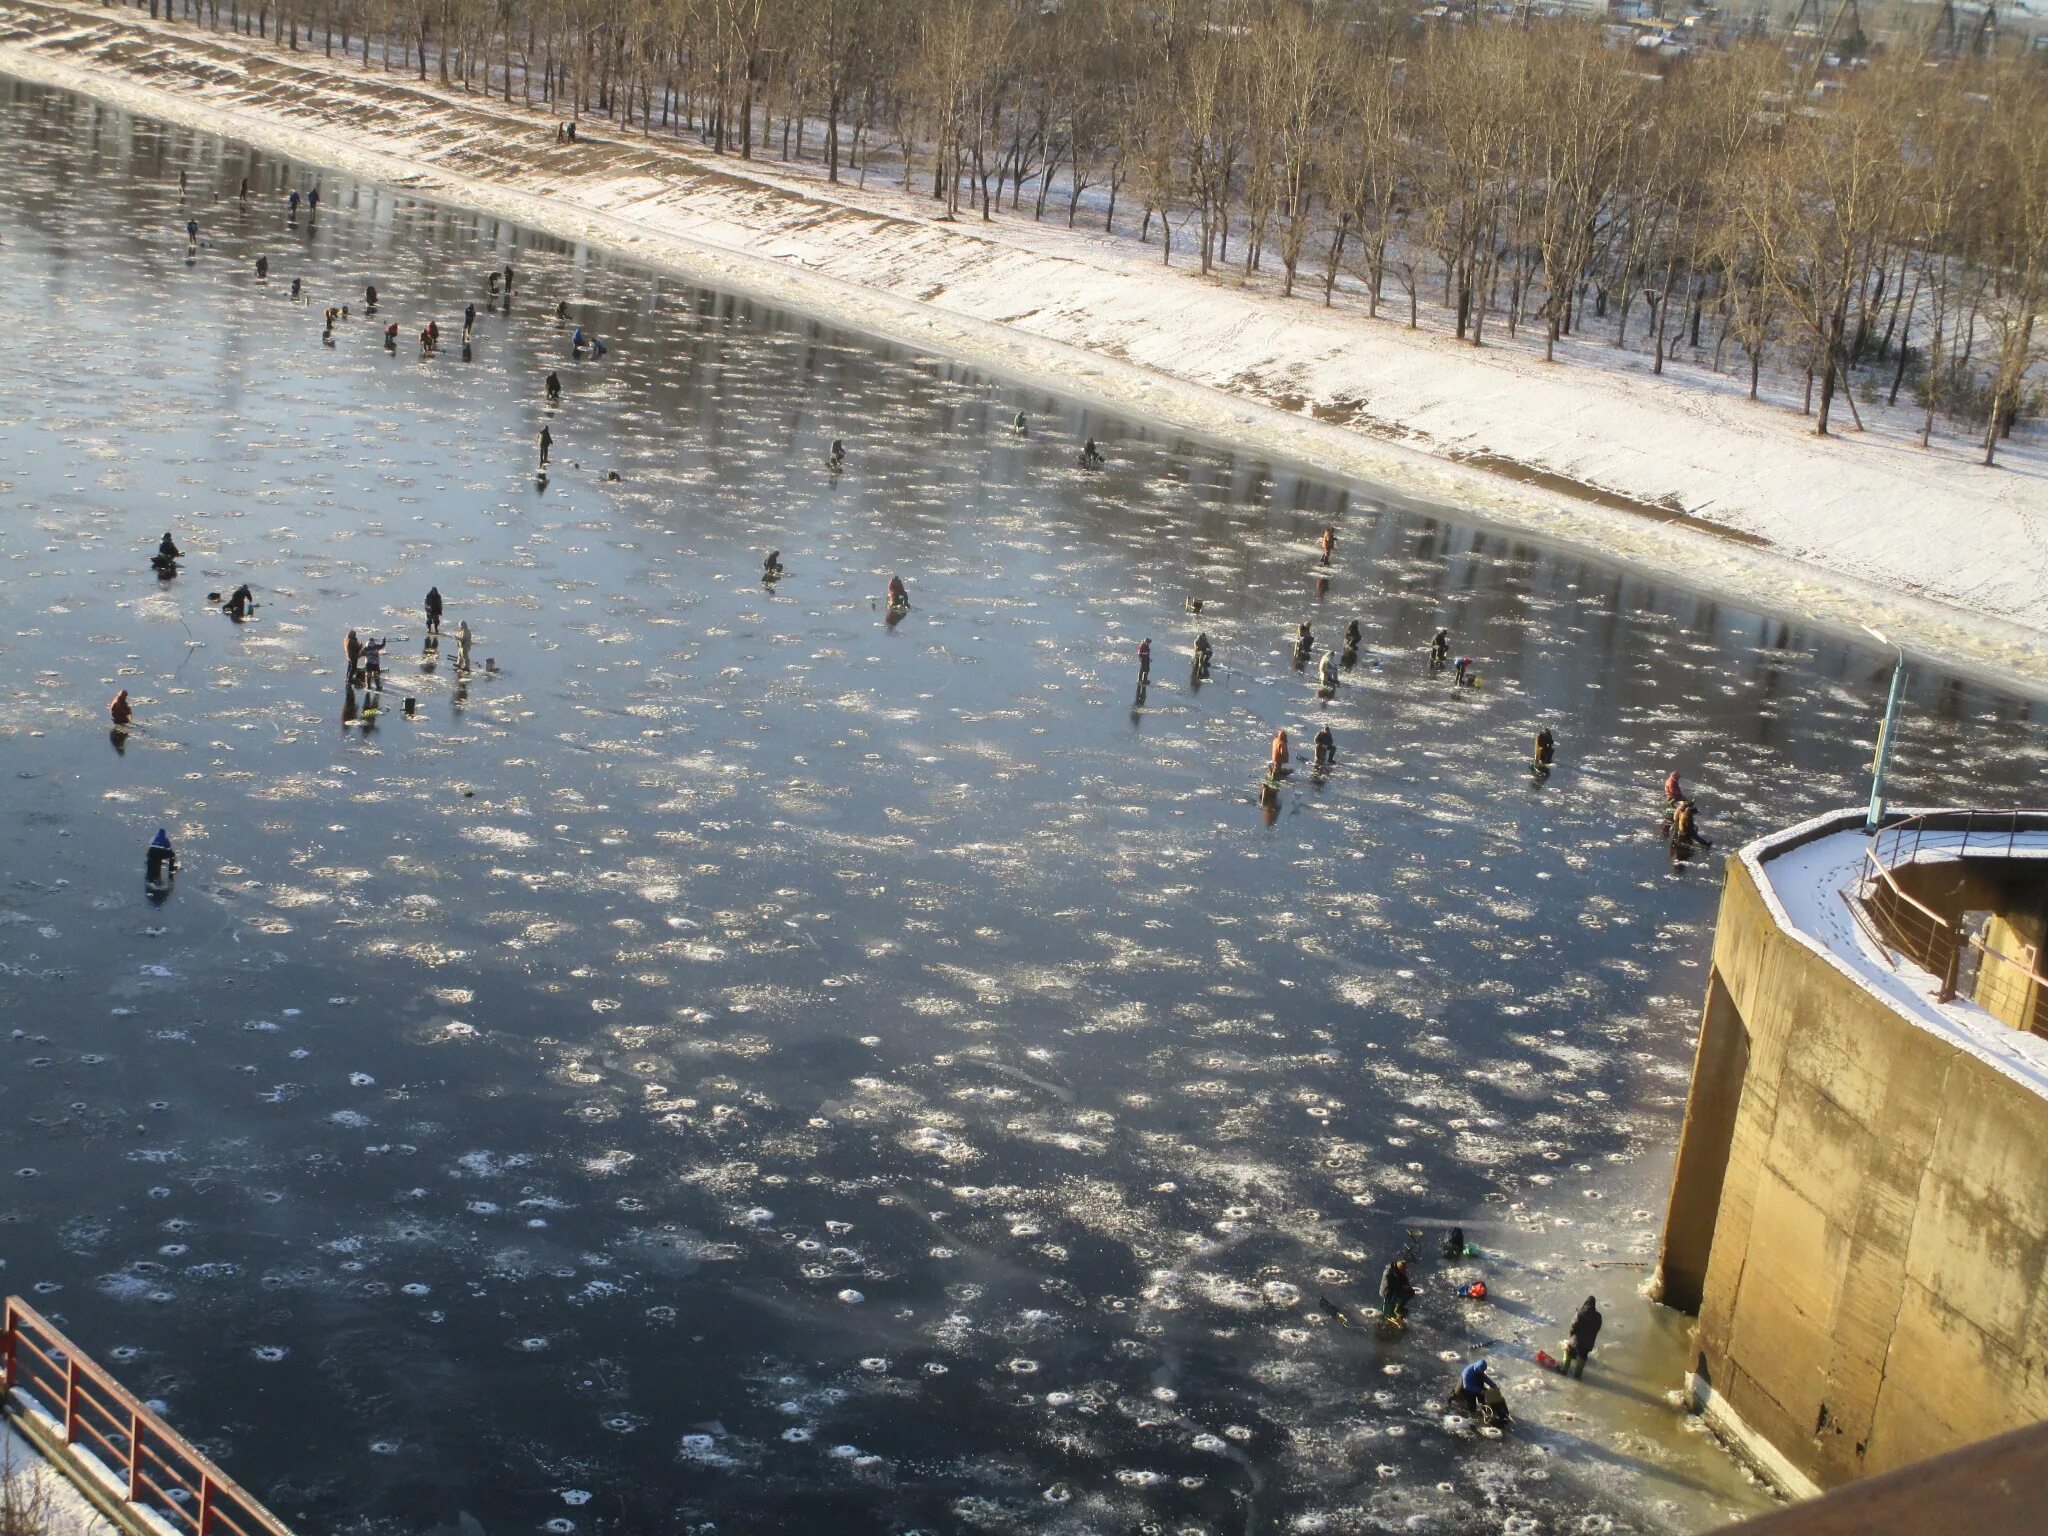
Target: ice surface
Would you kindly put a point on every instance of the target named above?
(535, 1075)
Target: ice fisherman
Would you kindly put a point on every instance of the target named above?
(160, 861)
(1585, 1333)
(1396, 1291)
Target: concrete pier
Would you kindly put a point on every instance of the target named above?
(1857, 1211)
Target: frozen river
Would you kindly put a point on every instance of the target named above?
(743, 1061)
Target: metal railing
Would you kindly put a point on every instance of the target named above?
(2008, 985)
(165, 1474)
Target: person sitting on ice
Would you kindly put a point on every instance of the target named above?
(1685, 827)
(899, 595)
(836, 459)
(1326, 747)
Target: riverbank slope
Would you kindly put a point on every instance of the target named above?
(1943, 553)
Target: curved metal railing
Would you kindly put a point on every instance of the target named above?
(2010, 985)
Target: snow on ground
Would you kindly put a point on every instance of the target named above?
(1807, 881)
(69, 1512)
(1952, 556)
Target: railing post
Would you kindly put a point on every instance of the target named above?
(205, 1504)
(7, 1348)
(134, 1455)
(1955, 960)
(70, 1399)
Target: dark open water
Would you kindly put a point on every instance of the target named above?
(747, 1063)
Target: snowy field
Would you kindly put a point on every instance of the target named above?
(738, 1059)
(1848, 530)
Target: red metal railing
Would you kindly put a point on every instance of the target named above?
(2012, 986)
(164, 1472)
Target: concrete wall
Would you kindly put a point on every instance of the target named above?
(1871, 1289)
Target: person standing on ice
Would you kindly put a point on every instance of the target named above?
(1329, 543)
(1396, 1291)
(1278, 764)
(1585, 1333)
(1440, 648)
(1673, 790)
(547, 441)
(160, 862)
(120, 710)
(468, 321)
(1145, 662)
(433, 610)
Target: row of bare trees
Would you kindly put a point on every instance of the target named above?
(1882, 221)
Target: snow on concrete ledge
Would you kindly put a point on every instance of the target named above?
(1807, 877)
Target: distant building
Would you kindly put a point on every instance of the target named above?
(1859, 1208)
